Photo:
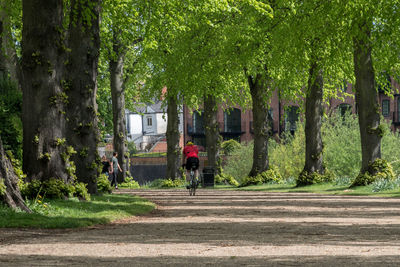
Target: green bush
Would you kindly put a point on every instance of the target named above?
(53, 188)
(314, 178)
(342, 149)
(385, 184)
(270, 176)
(238, 163)
(169, 183)
(288, 155)
(81, 191)
(379, 170)
(224, 178)
(130, 183)
(229, 146)
(103, 184)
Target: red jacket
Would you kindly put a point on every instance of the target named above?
(191, 151)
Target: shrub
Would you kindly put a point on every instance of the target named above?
(385, 184)
(270, 176)
(288, 155)
(380, 169)
(169, 183)
(224, 178)
(229, 146)
(81, 191)
(130, 183)
(239, 162)
(103, 184)
(314, 178)
(54, 188)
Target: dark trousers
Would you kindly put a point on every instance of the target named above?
(114, 178)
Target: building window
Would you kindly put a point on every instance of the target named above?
(149, 121)
(198, 122)
(344, 109)
(398, 109)
(385, 108)
(291, 118)
(233, 121)
(128, 123)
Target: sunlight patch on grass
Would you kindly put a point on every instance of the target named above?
(72, 213)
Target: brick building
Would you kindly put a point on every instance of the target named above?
(237, 123)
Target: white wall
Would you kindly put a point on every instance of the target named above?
(161, 123)
(135, 121)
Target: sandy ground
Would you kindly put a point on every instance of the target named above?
(223, 228)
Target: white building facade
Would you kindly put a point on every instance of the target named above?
(148, 125)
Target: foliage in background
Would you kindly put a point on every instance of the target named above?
(342, 151)
(10, 117)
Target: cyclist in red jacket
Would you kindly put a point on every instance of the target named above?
(191, 154)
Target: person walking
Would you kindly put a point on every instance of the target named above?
(106, 167)
(114, 170)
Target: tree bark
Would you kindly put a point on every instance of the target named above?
(43, 96)
(12, 196)
(118, 105)
(259, 96)
(366, 97)
(314, 112)
(82, 129)
(213, 138)
(173, 149)
(8, 52)
(2, 53)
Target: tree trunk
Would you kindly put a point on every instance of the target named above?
(314, 112)
(118, 104)
(82, 129)
(213, 138)
(173, 149)
(8, 52)
(367, 98)
(259, 96)
(11, 196)
(3, 67)
(43, 96)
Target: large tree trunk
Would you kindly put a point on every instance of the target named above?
(367, 98)
(213, 138)
(43, 97)
(173, 149)
(314, 112)
(259, 96)
(82, 130)
(12, 196)
(118, 104)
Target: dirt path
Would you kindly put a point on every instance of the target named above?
(222, 228)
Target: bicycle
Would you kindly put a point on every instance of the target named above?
(193, 182)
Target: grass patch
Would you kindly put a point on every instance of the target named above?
(324, 188)
(73, 213)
